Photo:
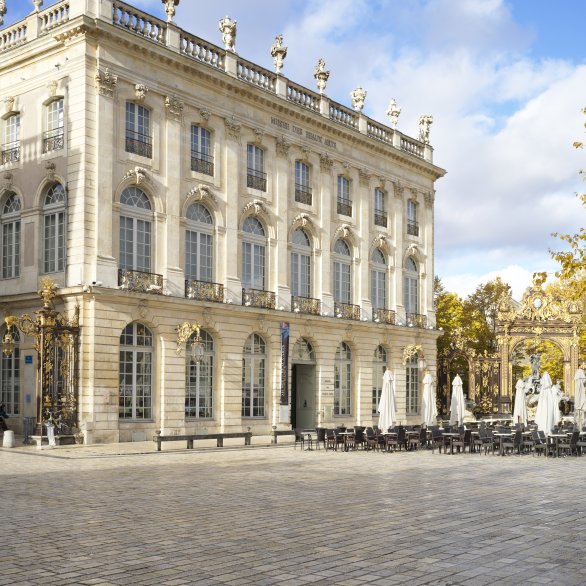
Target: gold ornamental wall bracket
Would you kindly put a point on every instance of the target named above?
(414, 350)
(187, 331)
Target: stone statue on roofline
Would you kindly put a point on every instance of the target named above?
(227, 27)
(3, 11)
(278, 53)
(321, 75)
(358, 96)
(425, 121)
(393, 112)
(170, 8)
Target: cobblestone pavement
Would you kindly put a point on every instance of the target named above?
(111, 515)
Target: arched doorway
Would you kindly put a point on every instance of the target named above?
(303, 387)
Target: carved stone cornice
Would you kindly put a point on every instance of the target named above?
(138, 174)
(253, 208)
(174, 107)
(343, 231)
(105, 82)
(233, 128)
(283, 146)
(71, 33)
(325, 163)
(200, 193)
(301, 221)
(380, 241)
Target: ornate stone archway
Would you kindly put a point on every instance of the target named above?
(539, 318)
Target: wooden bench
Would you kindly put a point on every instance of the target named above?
(219, 437)
(277, 433)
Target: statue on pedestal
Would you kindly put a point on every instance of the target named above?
(425, 121)
(278, 53)
(227, 27)
(321, 75)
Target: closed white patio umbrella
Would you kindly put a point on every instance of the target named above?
(428, 405)
(387, 406)
(548, 411)
(579, 395)
(458, 405)
(520, 414)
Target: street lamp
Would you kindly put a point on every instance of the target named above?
(187, 331)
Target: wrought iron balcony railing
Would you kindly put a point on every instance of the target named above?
(303, 194)
(10, 153)
(416, 320)
(204, 291)
(256, 179)
(140, 281)
(344, 206)
(380, 218)
(139, 144)
(202, 163)
(53, 140)
(346, 310)
(305, 305)
(384, 316)
(412, 228)
(258, 298)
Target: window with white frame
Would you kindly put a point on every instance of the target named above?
(11, 146)
(136, 373)
(199, 380)
(380, 215)
(256, 177)
(10, 234)
(199, 244)
(344, 202)
(343, 380)
(411, 287)
(54, 227)
(302, 183)
(301, 264)
(253, 377)
(138, 130)
(202, 158)
(135, 230)
(379, 365)
(412, 223)
(10, 375)
(253, 254)
(342, 272)
(378, 280)
(54, 133)
(412, 383)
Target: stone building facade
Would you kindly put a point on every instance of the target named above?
(160, 179)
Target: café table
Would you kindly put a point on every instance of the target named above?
(308, 435)
(502, 435)
(451, 435)
(346, 435)
(553, 440)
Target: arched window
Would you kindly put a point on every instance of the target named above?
(253, 377)
(411, 287)
(412, 383)
(303, 351)
(379, 365)
(342, 272)
(136, 373)
(10, 228)
(11, 146)
(378, 280)
(343, 380)
(54, 229)
(199, 381)
(301, 264)
(253, 254)
(199, 244)
(10, 375)
(302, 183)
(135, 230)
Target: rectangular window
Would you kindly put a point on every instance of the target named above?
(380, 215)
(253, 387)
(378, 289)
(11, 146)
(138, 130)
(342, 387)
(344, 202)
(253, 266)
(54, 242)
(377, 385)
(412, 223)
(202, 160)
(302, 183)
(411, 295)
(10, 249)
(256, 178)
(300, 274)
(341, 282)
(135, 244)
(199, 392)
(412, 382)
(198, 256)
(10, 381)
(54, 136)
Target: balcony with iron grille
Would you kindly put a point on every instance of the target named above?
(53, 140)
(412, 228)
(380, 218)
(10, 153)
(204, 291)
(259, 298)
(140, 281)
(202, 163)
(303, 194)
(256, 180)
(383, 316)
(305, 305)
(345, 206)
(416, 320)
(139, 144)
(346, 310)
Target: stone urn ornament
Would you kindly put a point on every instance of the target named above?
(393, 112)
(38, 4)
(321, 75)
(227, 27)
(170, 8)
(358, 96)
(278, 53)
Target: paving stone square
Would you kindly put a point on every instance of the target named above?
(125, 514)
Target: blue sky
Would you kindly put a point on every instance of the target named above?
(504, 80)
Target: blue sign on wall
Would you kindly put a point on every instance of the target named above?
(28, 359)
